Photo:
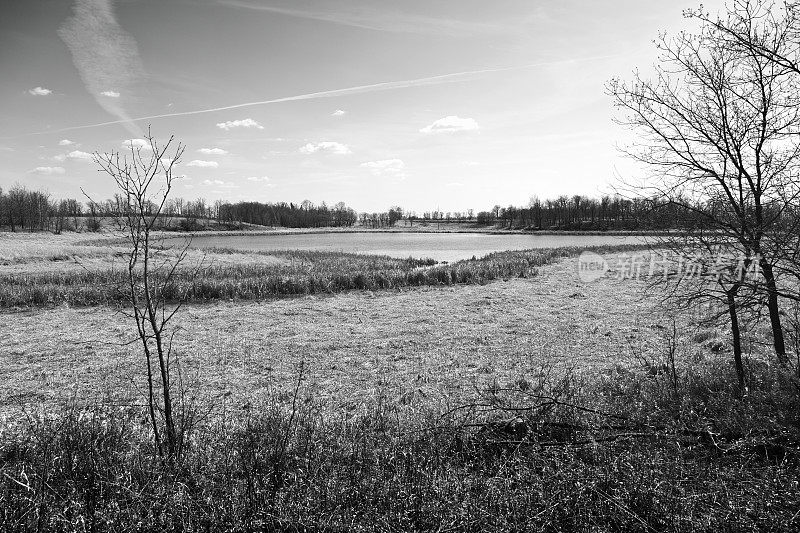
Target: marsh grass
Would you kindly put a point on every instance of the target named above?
(295, 273)
(293, 464)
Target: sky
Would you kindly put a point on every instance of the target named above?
(426, 104)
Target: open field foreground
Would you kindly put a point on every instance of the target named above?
(427, 342)
(532, 402)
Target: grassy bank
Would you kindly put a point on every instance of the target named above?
(291, 274)
(624, 451)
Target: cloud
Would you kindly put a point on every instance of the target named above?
(451, 124)
(359, 89)
(454, 184)
(213, 151)
(392, 168)
(325, 146)
(65, 142)
(219, 183)
(364, 15)
(39, 91)
(137, 144)
(339, 113)
(257, 178)
(110, 94)
(245, 123)
(77, 154)
(202, 164)
(48, 171)
(104, 54)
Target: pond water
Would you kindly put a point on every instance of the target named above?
(439, 246)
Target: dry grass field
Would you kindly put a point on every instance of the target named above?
(513, 402)
(437, 343)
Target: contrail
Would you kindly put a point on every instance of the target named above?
(384, 86)
(104, 54)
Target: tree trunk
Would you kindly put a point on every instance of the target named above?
(774, 311)
(736, 336)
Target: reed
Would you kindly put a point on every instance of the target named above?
(293, 273)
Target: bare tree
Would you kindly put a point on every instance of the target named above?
(144, 178)
(719, 127)
(762, 28)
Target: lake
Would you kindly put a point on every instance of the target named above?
(439, 246)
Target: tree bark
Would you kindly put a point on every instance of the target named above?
(736, 336)
(774, 311)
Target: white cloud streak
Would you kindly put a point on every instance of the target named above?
(325, 146)
(359, 89)
(39, 91)
(393, 168)
(244, 123)
(137, 144)
(65, 142)
(110, 94)
(48, 171)
(221, 184)
(451, 124)
(202, 164)
(364, 15)
(104, 54)
(339, 113)
(77, 154)
(213, 151)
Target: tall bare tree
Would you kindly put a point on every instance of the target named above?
(144, 178)
(719, 126)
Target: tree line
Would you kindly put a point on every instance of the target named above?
(36, 210)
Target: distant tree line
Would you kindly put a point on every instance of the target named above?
(28, 210)
(287, 215)
(22, 209)
(575, 212)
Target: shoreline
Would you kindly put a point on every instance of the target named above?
(475, 231)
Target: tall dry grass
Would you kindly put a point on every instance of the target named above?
(297, 273)
(550, 452)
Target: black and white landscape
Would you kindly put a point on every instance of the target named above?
(364, 265)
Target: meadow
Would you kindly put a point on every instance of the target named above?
(213, 274)
(500, 394)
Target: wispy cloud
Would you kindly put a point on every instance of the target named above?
(258, 178)
(325, 146)
(48, 171)
(136, 144)
(202, 164)
(392, 168)
(360, 89)
(104, 54)
(39, 91)
(244, 123)
(65, 142)
(339, 113)
(77, 154)
(213, 151)
(220, 184)
(451, 124)
(364, 15)
(110, 94)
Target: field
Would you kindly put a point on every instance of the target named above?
(364, 408)
(427, 341)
